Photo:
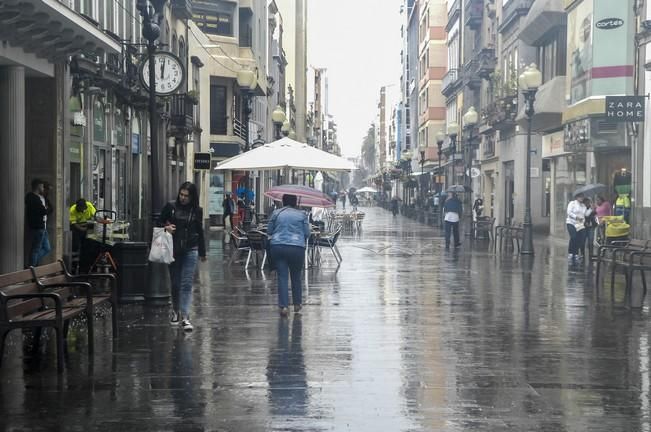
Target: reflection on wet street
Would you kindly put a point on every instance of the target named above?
(404, 336)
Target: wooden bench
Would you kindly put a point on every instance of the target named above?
(57, 273)
(25, 303)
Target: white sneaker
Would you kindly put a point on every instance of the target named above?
(187, 326)
(175, 320)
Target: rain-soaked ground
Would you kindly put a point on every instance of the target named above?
(402, 337)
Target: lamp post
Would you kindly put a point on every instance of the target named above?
(278, 117)
(440, 139)
(453, 132)
(247, 81)
(151, 13)
(470, 120)
(286, 127)
(529, 82)
(422, 148)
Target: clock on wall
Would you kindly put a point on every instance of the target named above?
(169, 72)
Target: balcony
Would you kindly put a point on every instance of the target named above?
(182, 8)
(474, 13)
(453, 15)
(501, 114)
(181, 115)
(513, 10)
(471, 77)
(543, 17)
(486, 62)
(449, 81)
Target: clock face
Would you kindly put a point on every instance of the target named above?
(169, 73)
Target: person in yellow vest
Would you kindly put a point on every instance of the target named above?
(81, 213)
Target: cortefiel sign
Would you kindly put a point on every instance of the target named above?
(609, 23)
(625, 108)
(202, 161)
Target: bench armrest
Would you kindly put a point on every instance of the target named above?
(88, 288)
(58, 305)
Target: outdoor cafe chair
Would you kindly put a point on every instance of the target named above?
(257, 243)
(330, 241)
(240, 244)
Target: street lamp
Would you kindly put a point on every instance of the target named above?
(470, 120)
(440, 139)
(247, 81)
(529, 82)
(278, 117)
(286, 127)
(422, 148)
(453, 132)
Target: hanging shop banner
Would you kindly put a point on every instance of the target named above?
(625, 108)
(202, 161)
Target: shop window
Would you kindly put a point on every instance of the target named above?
(218, 110)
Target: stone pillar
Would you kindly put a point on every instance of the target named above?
(12, 167)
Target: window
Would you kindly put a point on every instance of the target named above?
(552, 57)
(218, 110)
(216, 23)
(246, 30)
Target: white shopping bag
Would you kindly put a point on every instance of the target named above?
(162, 247)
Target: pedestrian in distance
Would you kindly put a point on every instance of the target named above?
(343, 200)
(452, 211)
(288, 231)
(229, 209)
(591, 223)
(36, 213)
(575, 221)
(183, 218)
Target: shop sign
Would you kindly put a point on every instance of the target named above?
(625, 108)
(202, 161)
(552, 145)
(609, 23)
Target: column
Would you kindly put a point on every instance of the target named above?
(12, 167)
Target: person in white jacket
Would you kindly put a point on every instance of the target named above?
(575, 225)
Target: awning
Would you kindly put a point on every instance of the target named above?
(543, 16)
(287, 153)
(548, 107)
(51, 30)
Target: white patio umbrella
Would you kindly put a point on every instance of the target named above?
(367, 189)
(286, 153)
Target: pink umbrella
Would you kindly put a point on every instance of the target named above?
(307, 196)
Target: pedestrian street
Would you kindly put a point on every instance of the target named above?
(403, 336)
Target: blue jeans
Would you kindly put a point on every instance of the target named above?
(289, 260)
(182, 276)
(40, 246)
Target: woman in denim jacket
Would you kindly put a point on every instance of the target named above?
(288, 232)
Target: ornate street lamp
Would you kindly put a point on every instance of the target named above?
(529, 81)
(470, 120)
(453, 132)
(422, 148)
(286, 127)
(440, 139)
(278, 117)
(247, 81)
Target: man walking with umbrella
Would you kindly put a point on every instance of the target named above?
(452, 210)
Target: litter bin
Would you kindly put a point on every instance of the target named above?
(132, 263)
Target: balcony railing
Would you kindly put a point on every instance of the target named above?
(449, 80)
(501, 113)
(239, 130)
(181, 114)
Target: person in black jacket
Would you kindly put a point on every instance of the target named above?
(183, 219)
(36, 212)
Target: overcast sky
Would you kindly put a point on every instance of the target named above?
(359, 42)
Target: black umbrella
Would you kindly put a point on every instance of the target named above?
(591, 189)
(458, 189)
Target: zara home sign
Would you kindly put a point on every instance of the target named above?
(625, 108)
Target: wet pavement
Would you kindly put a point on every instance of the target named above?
(404, 336)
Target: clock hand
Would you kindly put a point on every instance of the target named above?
(162, 69)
